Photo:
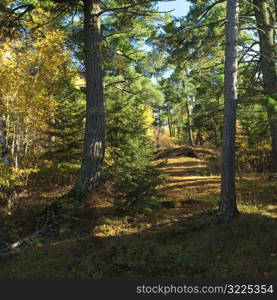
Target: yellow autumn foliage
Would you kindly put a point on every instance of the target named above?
(33, 67)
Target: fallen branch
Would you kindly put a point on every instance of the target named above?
(12, 249)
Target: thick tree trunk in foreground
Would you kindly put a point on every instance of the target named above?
(267, 64)
(228, 205)
(94, 143)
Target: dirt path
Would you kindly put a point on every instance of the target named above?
(190, 192)
(188, 175)
(192, 178)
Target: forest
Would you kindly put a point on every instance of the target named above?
(135, 143)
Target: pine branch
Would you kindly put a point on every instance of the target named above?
(207, 10)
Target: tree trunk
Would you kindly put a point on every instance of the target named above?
(4, 141)
(94, 140)
(267, 64)
(215, 133)
(170, 124)
(199, 141)
(228, 205)
(189, 127)
(159, 128)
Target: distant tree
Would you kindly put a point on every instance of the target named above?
(265, 20)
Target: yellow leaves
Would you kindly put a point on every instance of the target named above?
(33, 69)
(30, 70)
(148, 119)
(11, 177)
(39, 20)
(78, 82)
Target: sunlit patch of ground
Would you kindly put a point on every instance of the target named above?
(189, 179)
(189, 189)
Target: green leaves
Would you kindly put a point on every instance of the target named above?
(269, 102)
(45, 4)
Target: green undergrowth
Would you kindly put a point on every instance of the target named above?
(193, 247)
(245, 248)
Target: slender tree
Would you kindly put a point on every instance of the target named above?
(4, 141)
(228, 206)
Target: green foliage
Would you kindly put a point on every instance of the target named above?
(129, 100)
(256, 159)
(53, 174)
(141, 256)
(64, 138)
(269, 102)
(135, 187)
(40, 4)
(145, 254)
(130, 149)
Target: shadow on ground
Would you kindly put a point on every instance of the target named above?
(195, 247)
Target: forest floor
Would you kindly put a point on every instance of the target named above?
(181, 238)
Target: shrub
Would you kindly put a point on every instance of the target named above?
(134, 177)
(11, 180)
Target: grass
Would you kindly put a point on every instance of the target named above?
(182, 238)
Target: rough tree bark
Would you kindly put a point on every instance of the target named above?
(267, 64)
(228, 204)
(94, 140)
